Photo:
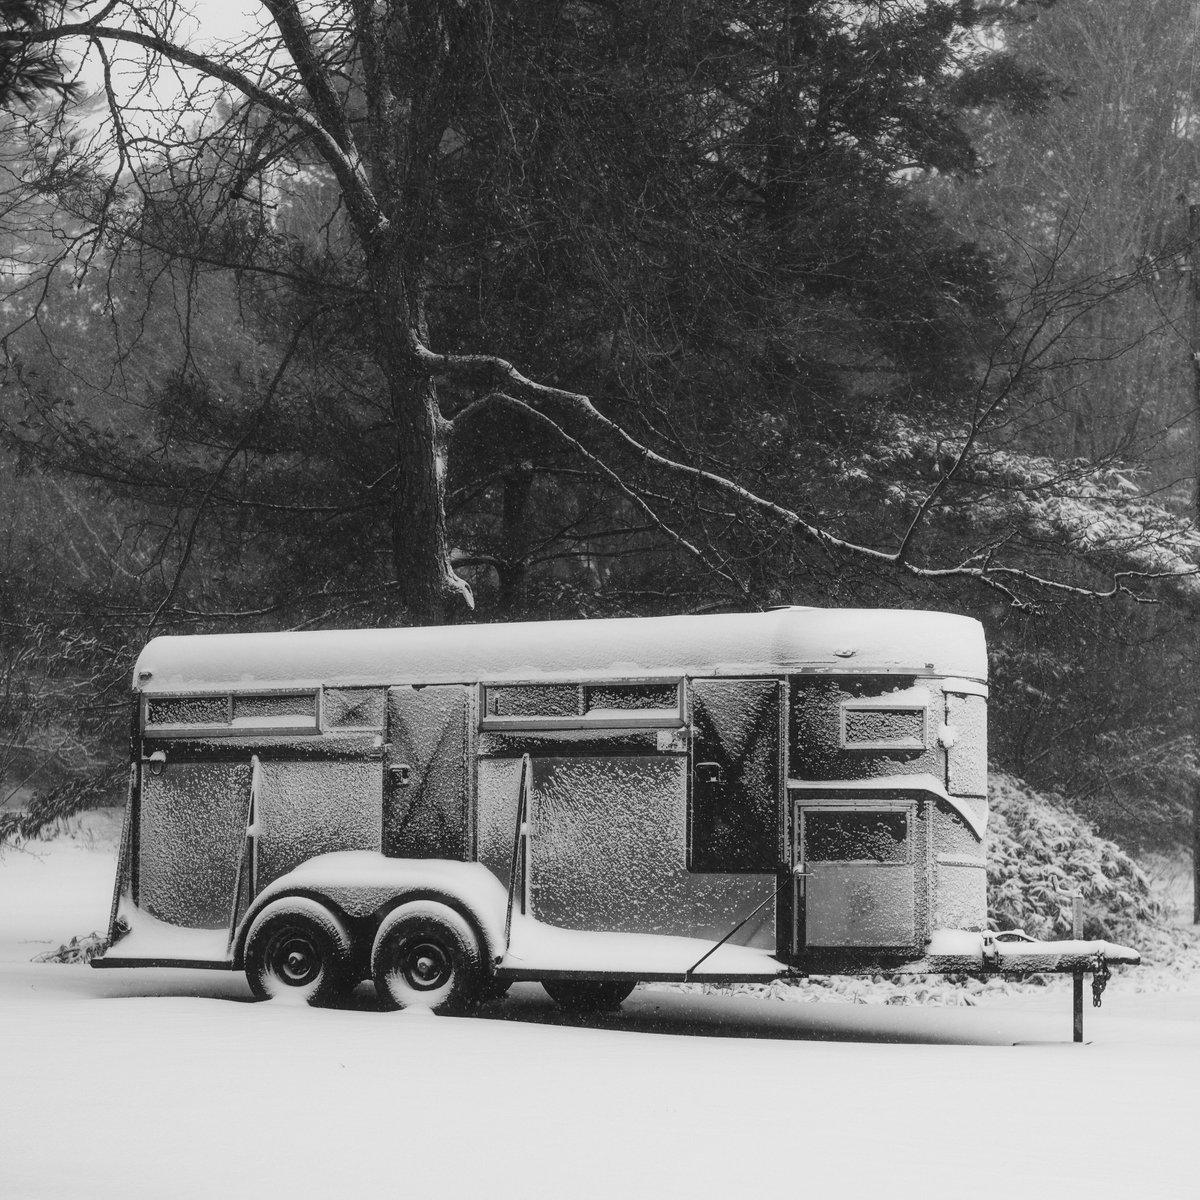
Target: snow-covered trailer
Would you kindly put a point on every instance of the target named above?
(583, 803)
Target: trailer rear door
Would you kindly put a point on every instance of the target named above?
(191, 828)
(856, 886)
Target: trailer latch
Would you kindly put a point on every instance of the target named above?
(992, 940)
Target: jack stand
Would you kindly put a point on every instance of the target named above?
(1077, 980)
(1077, 1005)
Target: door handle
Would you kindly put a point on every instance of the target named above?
(156, 763)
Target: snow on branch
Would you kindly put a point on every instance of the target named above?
(1147, 542)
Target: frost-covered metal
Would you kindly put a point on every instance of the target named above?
(425, 799)
(308, 808)
(191, 827)
(681, 797)
(609, 852)
(737, 782)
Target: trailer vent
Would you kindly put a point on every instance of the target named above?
(354, 708)
(865, 727)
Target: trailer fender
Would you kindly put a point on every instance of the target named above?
(363, 885)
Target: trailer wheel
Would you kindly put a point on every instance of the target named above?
(426, 956)
(495, 989)
(588, 995)
(298, 950)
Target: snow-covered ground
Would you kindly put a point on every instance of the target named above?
(171, 1084)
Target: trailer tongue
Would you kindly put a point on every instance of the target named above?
(1015, 952)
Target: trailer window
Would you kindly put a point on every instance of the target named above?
(266, 710)
(867, 726)
(581, 705)
(533, 700)
(630, 696)
(856, 836)
(187, 710)
(290, 711)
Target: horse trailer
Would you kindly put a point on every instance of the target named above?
(587, 804)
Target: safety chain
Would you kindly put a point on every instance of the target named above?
(1100, 978)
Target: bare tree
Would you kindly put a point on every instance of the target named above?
(374, 95)
(421, 291)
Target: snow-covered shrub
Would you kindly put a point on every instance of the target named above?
(1041, 855)
(77, 950)
(46, 811)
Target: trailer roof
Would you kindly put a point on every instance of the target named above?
(783, 641)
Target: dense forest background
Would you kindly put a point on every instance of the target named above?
(359, 314)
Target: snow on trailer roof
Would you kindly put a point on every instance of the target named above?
(782, 641)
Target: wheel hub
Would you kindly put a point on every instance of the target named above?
(298, 961)
(427, 966)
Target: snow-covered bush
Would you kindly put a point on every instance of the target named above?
(46, 811)
(77, 950)
(1041, 855)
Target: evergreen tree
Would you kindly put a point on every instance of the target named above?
(577, 307)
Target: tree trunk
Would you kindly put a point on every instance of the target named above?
(518, 487)
(429, 590)
(1193, 299)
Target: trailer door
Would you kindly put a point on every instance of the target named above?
(736, 776)
(191, 829)
(855, 882)
(425, 782)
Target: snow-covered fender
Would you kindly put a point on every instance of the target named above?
(362, 885)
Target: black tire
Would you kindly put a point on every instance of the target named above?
(588, 995)
(495, 989)
(426, 956)
(298, 950)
